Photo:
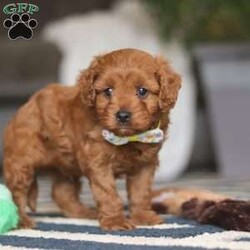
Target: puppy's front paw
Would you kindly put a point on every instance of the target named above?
(114, 223)
(145, 218)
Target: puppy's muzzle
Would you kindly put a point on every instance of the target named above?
(123, 116)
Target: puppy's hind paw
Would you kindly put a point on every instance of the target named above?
(82, 212)
(26, 222)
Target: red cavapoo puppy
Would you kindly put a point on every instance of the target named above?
(69, 131)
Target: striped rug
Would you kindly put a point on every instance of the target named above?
(54, 232)
(57, 232)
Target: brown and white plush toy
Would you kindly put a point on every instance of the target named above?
(204, 206)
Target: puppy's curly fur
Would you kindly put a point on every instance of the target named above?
(59, 130)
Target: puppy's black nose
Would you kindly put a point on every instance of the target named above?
(123, 116)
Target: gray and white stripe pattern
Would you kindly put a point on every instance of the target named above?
(176, 233)
(56, 232)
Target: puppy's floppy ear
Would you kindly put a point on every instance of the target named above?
(86, 82)
(170, 83)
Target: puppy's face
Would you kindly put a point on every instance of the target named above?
(126, 101)
(129, 90)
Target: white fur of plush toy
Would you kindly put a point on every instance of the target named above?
(128, 25)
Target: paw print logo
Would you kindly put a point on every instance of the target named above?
(20, 26)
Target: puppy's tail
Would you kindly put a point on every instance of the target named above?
(32, 195)
(203, 206)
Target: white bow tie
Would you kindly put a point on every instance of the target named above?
(151, 136)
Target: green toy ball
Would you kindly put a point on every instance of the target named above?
(8, 211)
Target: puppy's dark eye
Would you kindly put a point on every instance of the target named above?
(108, 92)
(142, 92)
